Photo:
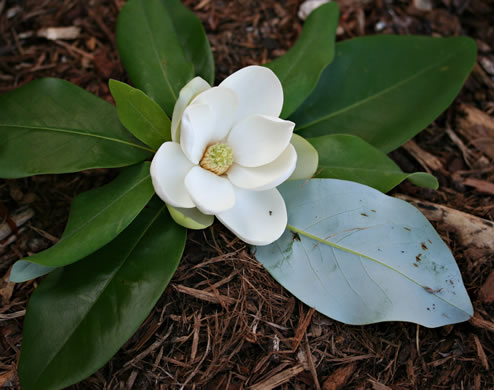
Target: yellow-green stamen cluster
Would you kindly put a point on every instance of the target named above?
(218, 158)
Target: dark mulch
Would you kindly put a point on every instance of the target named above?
(224, 323)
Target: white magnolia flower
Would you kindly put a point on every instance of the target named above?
(229, 152)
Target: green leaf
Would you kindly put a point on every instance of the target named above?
(193, 38)
(385, 89)
(82, 314)
(140, 114)
(97, 217)
(151, 51)
(53, 126)
(347, 157)
(190, 218)
(300, 68)
(360, 257)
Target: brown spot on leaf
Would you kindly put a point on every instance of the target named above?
(431, 291)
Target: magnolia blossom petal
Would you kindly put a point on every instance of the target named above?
(187, 93)
(258, 89)
(266, 176)
(259, 140)
(307, 158)
(211, 193)
(258, 217)
(168, 169)
(190, 218)
(223, 103)
(196, 129)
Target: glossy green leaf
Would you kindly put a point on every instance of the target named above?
(190, 218)
(300, 67)
(307, 158)
(347, 157)
(97, 217)
(151, 51)
(140, 114)
(52, 126)
(360, 257)
(385, 89)
(193, 38)
(80, 315)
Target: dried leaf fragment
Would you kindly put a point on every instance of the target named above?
(339, 377)
(54, 33)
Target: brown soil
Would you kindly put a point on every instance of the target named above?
(224, 323)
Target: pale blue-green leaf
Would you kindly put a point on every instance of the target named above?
(24, 270)
(360, 257)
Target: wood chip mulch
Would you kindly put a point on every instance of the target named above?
(224, 323)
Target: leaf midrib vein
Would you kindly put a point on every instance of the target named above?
(334, 245)
(110, 279)
(77, 132)
(379, 94)
(146, 119)
(300, 54)
(153, 45)
(103, 210)
(370, 170)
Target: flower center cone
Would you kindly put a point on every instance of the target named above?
(217, 158)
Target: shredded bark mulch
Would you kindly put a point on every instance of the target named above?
(224, 323)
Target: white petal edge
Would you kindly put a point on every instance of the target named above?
(187, 93)
(266, 176)
(196, 129)
(259, 140)
(308, 7)
(307, 158)
(258, 89)
(210, 193)
(168, 170)
(190, 218)
(258, 217)
(223, 103)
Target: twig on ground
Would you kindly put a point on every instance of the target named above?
(278, 379)
(471, 230)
